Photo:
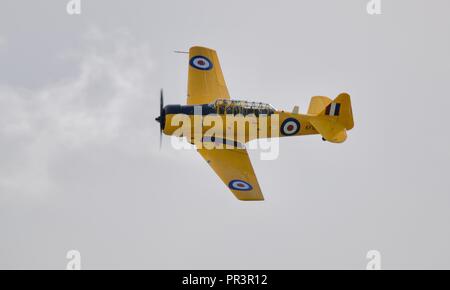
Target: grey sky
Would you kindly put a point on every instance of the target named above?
(80, 166)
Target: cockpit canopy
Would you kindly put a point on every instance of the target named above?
(224, 106)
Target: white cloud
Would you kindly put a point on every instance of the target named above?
(102, 105)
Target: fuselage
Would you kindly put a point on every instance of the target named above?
(237, 124)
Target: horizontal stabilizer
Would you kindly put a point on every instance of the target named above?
(318, 104)
(330, 131)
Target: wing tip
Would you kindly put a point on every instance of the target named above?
(241, 198)
(251, 200)
(199, 47)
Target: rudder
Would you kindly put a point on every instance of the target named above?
(341, 107)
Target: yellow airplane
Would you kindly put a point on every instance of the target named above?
(207, 91)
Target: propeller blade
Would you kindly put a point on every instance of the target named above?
(160, 139)
(161, 102)
(160, 118)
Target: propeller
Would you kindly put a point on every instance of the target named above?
(160, 118)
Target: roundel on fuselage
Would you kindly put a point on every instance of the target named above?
(290, 127)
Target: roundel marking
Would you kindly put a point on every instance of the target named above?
(201, 62)
(290, 127)
(240, 185)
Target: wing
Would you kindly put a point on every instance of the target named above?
(205, 79)
(233, 166)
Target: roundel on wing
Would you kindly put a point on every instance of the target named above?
(201, 62)
(240, 185)
(290, 127)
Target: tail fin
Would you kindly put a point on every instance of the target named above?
(332, 118)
